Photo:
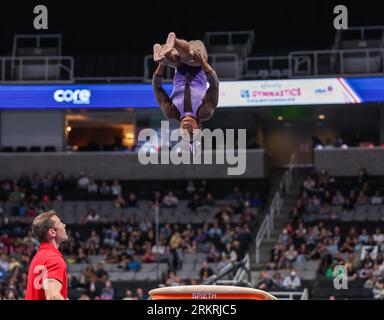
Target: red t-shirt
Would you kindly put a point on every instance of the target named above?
(48, 263)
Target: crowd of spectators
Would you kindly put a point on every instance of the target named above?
(315, 232)
(130, 244)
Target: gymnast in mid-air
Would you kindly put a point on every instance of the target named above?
(190, 102)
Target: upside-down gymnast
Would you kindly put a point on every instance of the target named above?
(190, 102)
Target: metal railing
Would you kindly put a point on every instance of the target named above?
(24, 69)
(281, 295)
(226, 65)
(38, 42)
(267, 226)
(361, 35)
(231, 38)
(108, 79)
(326, 63)
(265, 67)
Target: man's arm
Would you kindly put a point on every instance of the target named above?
(162, 97)
(52, 288)
(211, 98)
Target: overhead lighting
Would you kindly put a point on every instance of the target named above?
(321, 117)
(69, 128)
(280, 118)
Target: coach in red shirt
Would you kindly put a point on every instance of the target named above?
(47, 275)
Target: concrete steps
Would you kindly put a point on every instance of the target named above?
(279, 223)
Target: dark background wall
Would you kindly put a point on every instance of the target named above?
(118, 25)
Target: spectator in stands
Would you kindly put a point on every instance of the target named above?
(175, 244)
(156, 199)
(265, 283)
(238, 198)
(166, 231)
(371, 282)
(129, 295)
(93, 188)
(378, 290)
(292, 281)
(133, 263)
(195, 202)
(302, 253)
(348, 205)
(362, 177)
(350, 242)
(145, 225)
(81, 256)
(365, 272)
(120, 202)
(351, 272)
(36, 183)
(172, 280)
(87, 275)
(101, 273)
(209, 201)
(132, 200)
(149, 256)
(363, 237)
(378, 237)
(104, 190)
(224, 261)
(205, 271)
(116, 188)
(378, 270)
(214, 254)
(160, 252)
(309, 184)
(170, 200)
(289, 256)
(92, 216)
(107, 293)
(94, 239)
(140, 294)
(83, 181)
(84, 297)
(362, 199)
(338, 199)
(377, 199)
(15, 199)
(190, 187)
(255, 200)
(277, 281)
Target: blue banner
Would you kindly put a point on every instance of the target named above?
(78, 96)
(319, 91)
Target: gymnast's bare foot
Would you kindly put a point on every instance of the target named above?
(158, 55)
(169, 44)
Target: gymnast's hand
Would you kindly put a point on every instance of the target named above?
(197, 57)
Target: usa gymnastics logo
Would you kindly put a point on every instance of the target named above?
(244, 93)
(324, 91)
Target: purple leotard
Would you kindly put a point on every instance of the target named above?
(198, 87)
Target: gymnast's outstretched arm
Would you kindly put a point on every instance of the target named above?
(211, 98)
(164, 101)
